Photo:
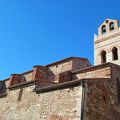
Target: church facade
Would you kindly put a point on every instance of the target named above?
(69, 89)
(107, 43)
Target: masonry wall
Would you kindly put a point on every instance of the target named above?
(104, 72)
(102, 100)
(23, 104)
(28, 76)
(73, 64)
(115, 71)
(77, 64)
(99, 97)
(55, 70)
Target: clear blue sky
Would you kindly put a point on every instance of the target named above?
(38, 32)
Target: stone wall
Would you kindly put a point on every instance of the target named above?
(24, 104)
(69, 99)
(80, 64)
(54, 70)
(115, 71)
(104, 72)
(72, 64)
(28, 76)
(101, 100)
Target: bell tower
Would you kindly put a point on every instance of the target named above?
(107, 43)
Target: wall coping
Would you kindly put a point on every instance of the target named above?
(65, 85)
(91, 68)
(65, 60)
(52, 64)
(22, 85)
(60, 86)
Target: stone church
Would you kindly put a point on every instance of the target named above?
(69, 89)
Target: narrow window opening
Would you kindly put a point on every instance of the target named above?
(115, 53)
(111, 26)
(103, 57)
(107, 21)
(103, 29)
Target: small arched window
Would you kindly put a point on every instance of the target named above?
(115, 53)
(111, 26)
(103, 29)
(103, 56)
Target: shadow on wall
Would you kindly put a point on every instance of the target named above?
(20, 94)
(2, 89)
(50, 76)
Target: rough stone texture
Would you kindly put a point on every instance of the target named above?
(115, 70)
(95, 73)
(16, 79)
(79, 64)
(72, 64)
(101, 100)
(2, 87)
(28, 76)
(53, 70)
(96, 100)
(107, 70)
(69, 90)
(23, 104)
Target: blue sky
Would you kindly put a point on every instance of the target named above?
(38, 32)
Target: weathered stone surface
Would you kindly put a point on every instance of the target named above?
(101, 100)
(95, 73)
(67, 90)
(23, 104)
(72, 64)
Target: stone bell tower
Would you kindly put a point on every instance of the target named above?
(107, 43)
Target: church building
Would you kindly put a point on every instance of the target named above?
(69, 89)
(107, 43)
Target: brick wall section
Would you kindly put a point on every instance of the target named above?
(23, 104)
(73, 64)
(7, 82)
(40, 73)
(53, 70)
(104, 72)
(79, 64)
(107, 70)
(115, 71)
(16, 79)
(28, 76)
(101, 100)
